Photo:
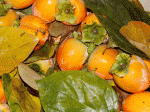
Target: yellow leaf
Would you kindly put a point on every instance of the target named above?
(138, 34)
(15, 46)
(26, 101)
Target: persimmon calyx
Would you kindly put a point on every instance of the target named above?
(66, 12)
(4, 8)
(94, 33)
(121, 65)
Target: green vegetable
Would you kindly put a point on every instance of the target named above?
(114, 14)
(76, 91)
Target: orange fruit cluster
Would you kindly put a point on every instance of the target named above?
(8, 19)
(71, 54)
(35, 26)
(138, 102)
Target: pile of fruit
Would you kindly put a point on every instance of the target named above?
(74, 55)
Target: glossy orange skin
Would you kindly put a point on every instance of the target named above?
(89, 20)
(138, 102)
(8, 19)
(80, 11)
(44, 9)
(2, 94)
(137, 79)
(71, 54)
(35, 26)
(19, 4)
(34, 22)
(42, 37)
(101, 63)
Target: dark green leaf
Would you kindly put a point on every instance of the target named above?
(49, 71)
(46, 52)
(76, 91)
(114, 14)
(26, 11)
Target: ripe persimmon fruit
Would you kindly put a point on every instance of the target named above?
(101, 60)
(70, 12)
(44, 9)
(37, 27)
(137, 102)
(2, 94)
(19, 4)
(89, 20)
(9, 18)
(34, 22)
(92, 30)
(136, 78)
(71, 54)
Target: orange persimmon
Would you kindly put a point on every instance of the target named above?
(138, 102)
(137, 77)
(34, 22)
(89, 20)
(93, 31)
(19, 4)
(2, 94)
(35, 26)
(71, 54)
(70, 12)
(101, 60)
(44, 9)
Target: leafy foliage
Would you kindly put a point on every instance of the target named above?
(12, 51)
(114, 14)
(12, 101)
(46, 52)
(76, 91)
(19, 99)
(137, 33)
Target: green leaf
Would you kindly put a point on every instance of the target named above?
(15, 46)
(4, 8)
(28, 75)
(46, 52)
(114, 14)
(76, 91)
(27, 11)
(12, 101)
